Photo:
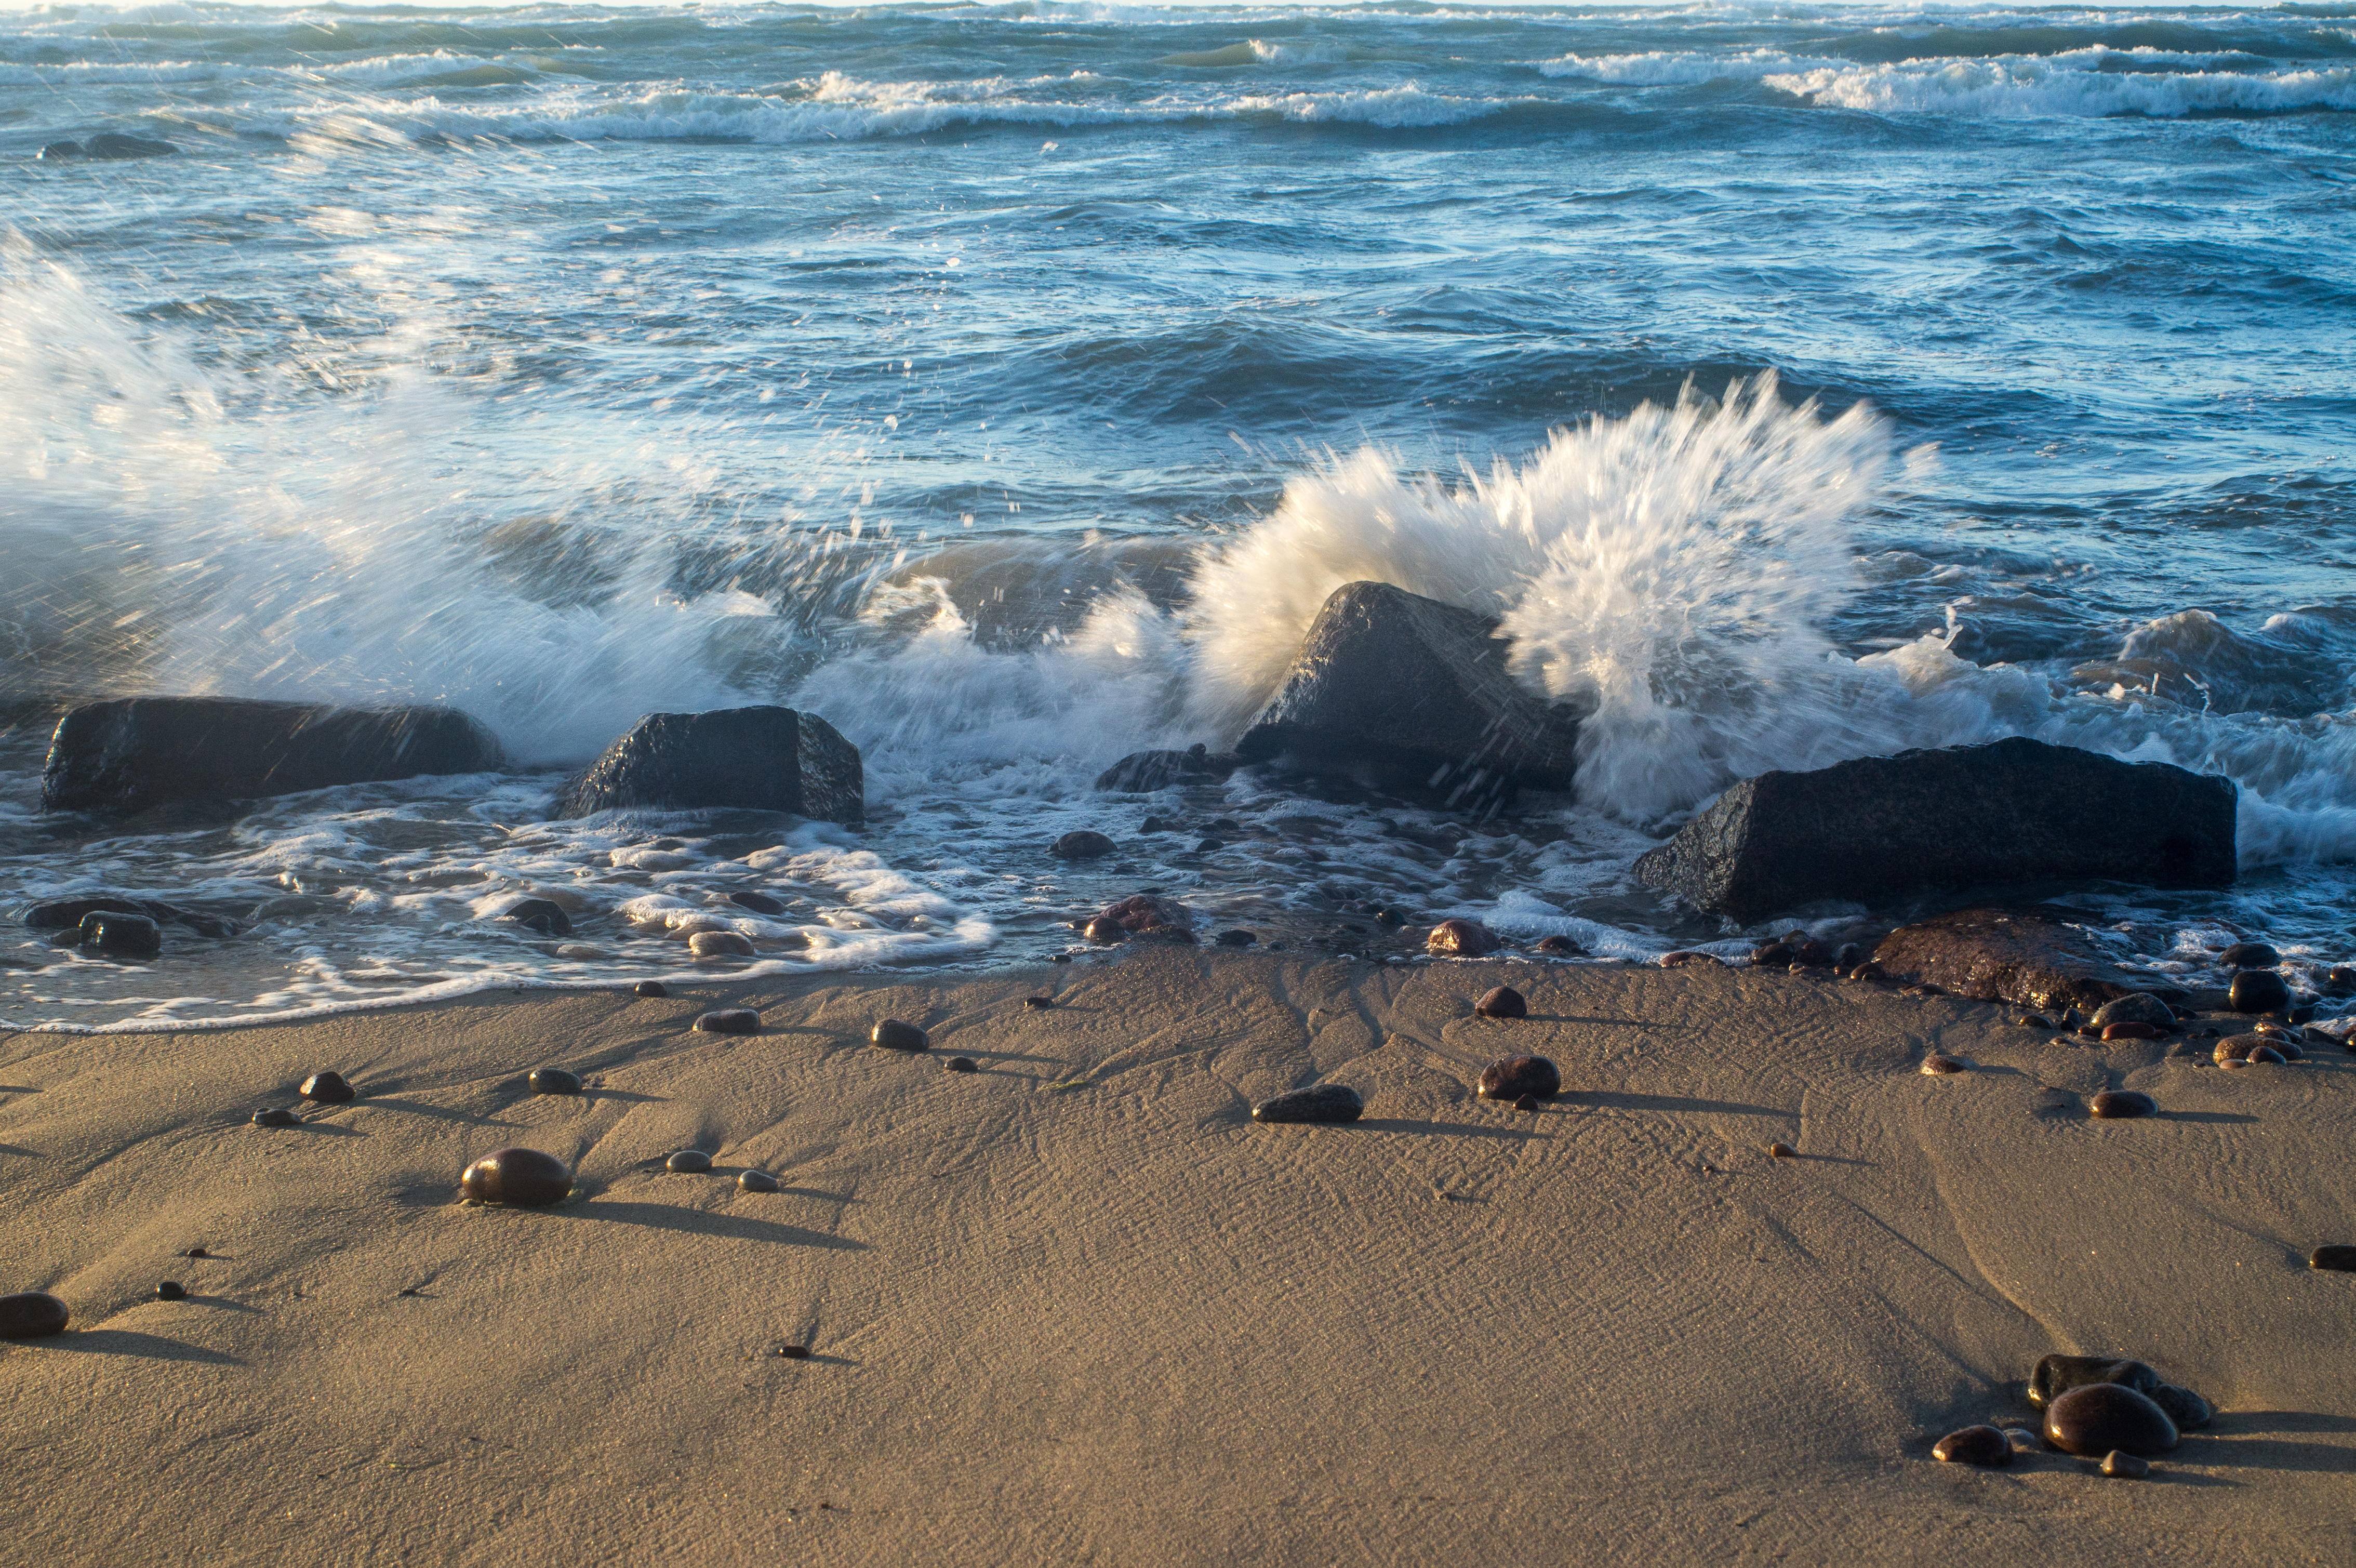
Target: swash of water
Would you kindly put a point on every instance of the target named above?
(1010, 385)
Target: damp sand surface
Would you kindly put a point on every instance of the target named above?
(1076, 1306)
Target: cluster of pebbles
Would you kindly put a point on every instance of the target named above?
(2106, 1408)
(1521, 1080)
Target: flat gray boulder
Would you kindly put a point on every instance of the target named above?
(2012, 813)
(757, 760)
(1414, 694)
(132, 754)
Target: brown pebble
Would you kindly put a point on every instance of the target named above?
(1105, 928)
(1527, 1103)
(30, 1314)
(688, 1162)
(1983, 1446)
(962, 1064)
(795, 1353)
(2335, 1257)
(520, 1178)
(1557, 947)
(171, 1290)
(2266, 1054)
(2122, 1105)
(1781, 1151)
(756, 1181)
(720, 944)
(2133, 1031)
(2034, 1021)
(650, 988)
(1502, 1002)
(1039, 1004)
(2098, 1417)
(197, 1252)
(729, 1021)
(1462, 939)
(1938, 1066)
(2124, 1465)
(1510, 1078)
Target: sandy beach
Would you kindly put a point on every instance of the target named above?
(1076, 1306)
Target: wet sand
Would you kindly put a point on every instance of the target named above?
(1075, 1307)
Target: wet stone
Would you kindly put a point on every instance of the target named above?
(2248, 955)
(688, 1162)
(127, 937)
(1774, 955)
(756, 1181)
(328, 1089)
(759, 903)
(2054, 1376)
(2099, 1417)
(2122, 1466)
(2187, 1410)
(1937, 1064)
(31, 1314)
(2335, 1257)
(1982, 1445)
(1105, 928)
(554, 1081)
(1502, 1002)
(1560, 947)
(2132, 1030)
(720, 944)
(1177, 935)
(517, 1177)
(1781, 1151)
(2258, 991)
(1324, 1102)
(1084, 845)
(2122, 1105)
(1462, 939)
(171, 1290)
(729, 1021)
(1038, 1004)
(2135, 1007)
(1160, 825)
(1686, 959)
(963, 1064)
(1510, 1078)
(1237, 938)
(543, 915)
(2341, 979)
(1391, 917)
(1848, 956)
(274, 1116)
(650, 988)
(1870, 975)
(1207, 845)
(894, 1036)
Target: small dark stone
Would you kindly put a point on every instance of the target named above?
(2187, 1410)
(650, 988)
(2248, 955)
(1105, 928)
(1510, 1078)
(1390, 917)
(729, 1021)
(2122, 1105)
(759, 903)
(1158, 825)
(2121, 1466)
(1038, 1004)
(1774, 955)
(520, 1178)
(31, 1314)
(1207, 845)
(1319, 1102)
(2265, 1056)
(1084, 845)
(2341, 979)
(794, 1352)
(1849, 956)
(66, 914)
(328, 1089)
(2034, 1021)
(1059, 958)
(1227, 825)
(756, 1181)
(196, 1252)
(2099, 1417)
(1143, 772)
(1177, 934)
(688, 1162)
(1560, 947)
(1237, 938)
(2337, 1257)
(2258, 991)
(1527, 1103)
(554, 1081)
(171, 1290)
(2054, 1376)
(1938, 1065)
(543, 915)
(1502, 1002)
(720, 944)
(1869, 973)
(1463, 939)
(894, 1036)
(119, 936)
(276, 1116)
(1141, 910)
(2135, 1007)
(1781, 1151)
(1982, 1445)
(963, 1064)
(60, 152)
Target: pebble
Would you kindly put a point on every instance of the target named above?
(794, 1352)
(1226, 824)
(2034, 1021)
(1870, 974)
(1774, 955)
(2054, 1376)
(1560, 947)
(720, 944)
(328, 1089)
(2187, 1410)
(2236, 1048)
(1179, 934)
(1781, 1151)
(276, 1116)
(688, 1162)
(1510, 1078)
(1237, 938)
(1684, 958)
(1938, 1065)
(1207, 845)
(171, 1290)
(112, 935)
(2023, 1441)
(759, 903)
(963, 1064)
(1319, 1102)
(543, 915)
(1105, 928)
(1502, 1002)
(729, 1021)
(894, 1036)
(30, 1313)
(2133, 1031)
(2265, 1055)
(1084, 845)
(650, 988)
(2337, 1257)
(1973, 1445)
(521, 1178)
(2248, 955)
(1464, 938)
(1038, 1004)
(1159, 825)
(196, 1252)
(2258, 991)
(2121, 1104)
(1848, 956)
(553, 1080)
(756, 1181)
(2124, 1465)
(2099, 1417)
(1395, 917)
(2135, 1007)
(2340, 979)
(1527, 1103)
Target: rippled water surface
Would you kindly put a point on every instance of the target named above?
(1009, 385)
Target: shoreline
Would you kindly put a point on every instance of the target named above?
(1078, 1304)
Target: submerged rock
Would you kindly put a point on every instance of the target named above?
(1983, 1446)
(2005, 955)
(115, 145)
(1413, 696)
(2099, 1417)
(1239, 938)
(2014, 813)
(67, 914)
(545, 915)
(129, 754)
(1510, 1078)
(1319, 1102)
(131, 937)
(1502, 1002)
(1084, 845)
(31, 1314)
(757, 758)
(1143, 772)
(894, 1036)
(517, 1177)
(759, 903)
(720, 944)
(1462, 939)
(328, 1089)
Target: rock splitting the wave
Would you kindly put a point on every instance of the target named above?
(1983, 1446)
(328, 1089)
(688, 1162)
(553, 1080)
(1462, 939)
(757, 758)
(131, 754)
(2004, 955)
(1510, 1078)
(759, 903)
(545, 915)
(728, 1021)
(2014, 813)
(518, 1178)
(31, 1314)
(892, 1034)
(720, 944)
(133, 939)
(1413, 696)
(1502, 1002)
(2100, 1417)
(1143, 772)
(2123, 1105)
(1327, 1102)
(1084, 843)
(2258, 991)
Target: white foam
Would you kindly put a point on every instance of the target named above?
(2025, 85)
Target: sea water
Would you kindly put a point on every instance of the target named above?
(1010, 385)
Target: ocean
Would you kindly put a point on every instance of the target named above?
(1009, 385)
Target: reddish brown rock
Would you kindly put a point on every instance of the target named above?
(1998, 955)
(1510, 1078)
(1983, 1446)
(1502, 1002)
(1462, 939)
(1140, 911)
(520, 1178)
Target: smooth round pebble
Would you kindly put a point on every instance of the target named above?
(729, 1021)
(1105, 928)
(2099, 1417)
(328, 1088)
(1327, 1102)
(196, 1252)
(2121, 1104)
(1939, 1066)
(2265, 1055)
(171, 1290)
(30, 1313)
(2337, 1257)
(2248, 955)
(1781, 1151)
(688, 1162)
(794, 1352)
(963, 1064)
(756, 1181)
(1084, 845)
(517, 1177)
(1502, 1002)
(2258, 991)
(1039, 1004)
(2133, 1030)
(1510, 1078)
(1973, 1445)
(2034, 1021)
(894, 1036)
(2124, 1465)
(553, 1080)
(650, 988)
(129, 937)
(720, 944)
(276, 1116)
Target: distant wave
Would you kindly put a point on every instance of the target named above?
(2028, 87)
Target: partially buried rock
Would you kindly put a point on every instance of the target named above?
(1319, 1102)
(963, 1064)
(688, 1162)
(2248, 955)
(758, 758)
(328, 1089)
(729, 1021)
(2337, 1257)
(1560, 947)
(2122, 1105)
(1038, 1004)
(1510, 1078)
(2100, 1417)
(1502, 1002)
(131, 937)
(554, 1081)
(31, 1314)
(1939, 1066)
(1084, 845)
(650, 988)
(1105, 928)
(1982, 1445)
(115, 145)
(274, 1116)
(171, 1290)
(894, 1036)
(518, 1178)
(756, 1181)
(720, 944)
(543, 915)
(2121, 1466)
(2023, 1441)
(2135, 1008)
(1462, 939)
(2258, 991)
(1237, 938)
(759, 903)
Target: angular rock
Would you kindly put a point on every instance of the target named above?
(1143, 772)
(2003, 955)
(328, 1089)
(2099, 1417)
(1983, 1446)
(2258, 991)
(543, 915)
(1319, 1102)
(1502, 1002)
(520, 1178)
(31, 1314)
(131, 754)
(133, 938)
(1462, 939)
(2014, 813)
(1415, 695)
(2135, 1008)
(759, 760)
(728, 1021)
(894, 1036)
(1082, 844)
(1510, 1078)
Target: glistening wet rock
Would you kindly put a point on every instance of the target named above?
(757, 758)
(131, 937)
(2122, 1105)
(1141, 911)
(1084, 845)
(2056, 1375)
(894, 1036)
(729, 1021)
(2258, 991)
(2008, 955)
(1502, 1002)
(1982, 1445)
(1105, 928)
(720, 944)
(517, 1177)
(2100, 1417)
(756, 1181)
(2248, 955)
(276, 1116)
(688, 1162)
(1510, 1078)
(328, 1089)
(650, 988)
(2135, 1008)
(1462, 939)
(554, 1081)
(2335, 1257)
(1319, 1102)
(759, 903)
(543, 915)
(1143, 772)
(2133, 1031)
(2013, 813)
(31, 1314)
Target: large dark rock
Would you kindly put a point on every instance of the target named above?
(62, 914)
(2007, 955)
(1143, 772)
(760, 759)
(134, 753)
(1414, 695)
(2011, 813)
